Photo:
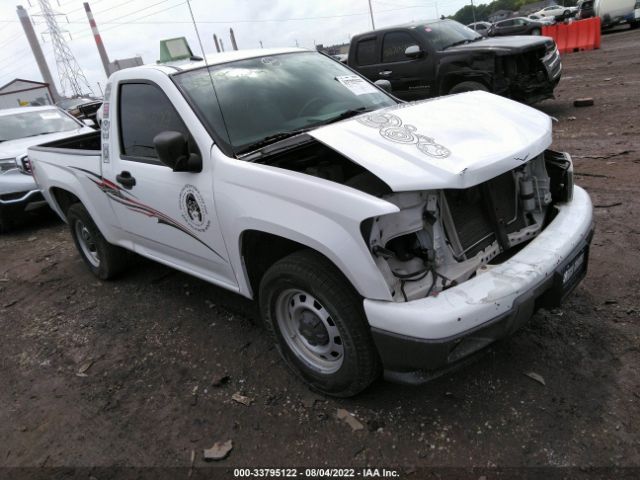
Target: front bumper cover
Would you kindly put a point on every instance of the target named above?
(436, 332)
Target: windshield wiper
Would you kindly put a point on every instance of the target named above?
(269, 139)
(344, 115)
(276, 137)
(459, 42)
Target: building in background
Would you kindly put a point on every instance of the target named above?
(500, 15)
(22, 93)
(121, 64)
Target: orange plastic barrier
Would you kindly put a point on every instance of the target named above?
(575, 36)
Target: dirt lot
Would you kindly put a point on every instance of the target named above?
(120, 373)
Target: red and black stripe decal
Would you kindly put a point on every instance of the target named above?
(121, 196)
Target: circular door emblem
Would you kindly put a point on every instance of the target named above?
(193, 208)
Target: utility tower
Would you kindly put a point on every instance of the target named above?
(72, 79)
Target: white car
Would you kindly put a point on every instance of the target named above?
(556, 11)
(543, 20)
(372, 233)
(21, 128)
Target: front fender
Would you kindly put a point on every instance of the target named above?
(318, 213)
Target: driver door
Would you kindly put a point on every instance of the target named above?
(169, 216)
(411, 78)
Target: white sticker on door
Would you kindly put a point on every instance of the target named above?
(356, 84)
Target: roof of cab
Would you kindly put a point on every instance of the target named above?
(217, 59)
(407, 25)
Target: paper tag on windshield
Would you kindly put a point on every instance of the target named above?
(356, 84)
(49, 115)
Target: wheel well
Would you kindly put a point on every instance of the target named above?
(454, 80)
(260, 250)
(64, 199)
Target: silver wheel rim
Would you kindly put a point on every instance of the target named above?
(309, 331)
(87, 244)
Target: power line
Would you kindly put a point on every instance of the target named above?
(267, 20)
(128, 23)
(71, 76)
(17, 36)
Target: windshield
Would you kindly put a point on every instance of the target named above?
(261, 98)
(447, 33)
(30, 124)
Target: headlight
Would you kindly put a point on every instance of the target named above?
(7, 164)
(24, 164)
(560, 169)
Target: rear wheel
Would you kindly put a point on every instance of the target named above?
(317, 322)
(5, 224)
(103, 259)
(468, 87)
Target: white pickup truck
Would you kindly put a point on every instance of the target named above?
(372, 233)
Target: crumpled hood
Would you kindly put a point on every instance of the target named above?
(455, 141)
(506, 44)
(19, 146)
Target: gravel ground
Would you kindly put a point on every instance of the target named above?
(122, 373)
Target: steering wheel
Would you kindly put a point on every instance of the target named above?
(307, 105)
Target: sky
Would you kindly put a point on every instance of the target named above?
(135, 27)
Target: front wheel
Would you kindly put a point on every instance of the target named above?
(317, 322)
(103, 259)
(5, 224)
(536, 32)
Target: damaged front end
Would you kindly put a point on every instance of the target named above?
(442, 238)
(529, 76)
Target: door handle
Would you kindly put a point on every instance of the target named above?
(125, 179)
(385, 73)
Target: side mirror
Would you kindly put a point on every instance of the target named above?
(413, 51)
(383, 84)
(173, 150)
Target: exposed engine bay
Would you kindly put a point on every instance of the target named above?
(530, 76)
(441, 238)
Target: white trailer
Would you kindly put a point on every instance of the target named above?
(613, 12)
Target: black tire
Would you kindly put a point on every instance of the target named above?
(634, 25)
(469, 86)
(536, 32)
(111, 259)
(311, 273)
(5, 224)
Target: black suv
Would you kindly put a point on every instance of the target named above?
(429, 59)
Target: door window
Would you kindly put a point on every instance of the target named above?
(393, 46)
(366, 52)
(145, 111)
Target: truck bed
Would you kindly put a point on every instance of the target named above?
(73, 165)
(85, 144)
